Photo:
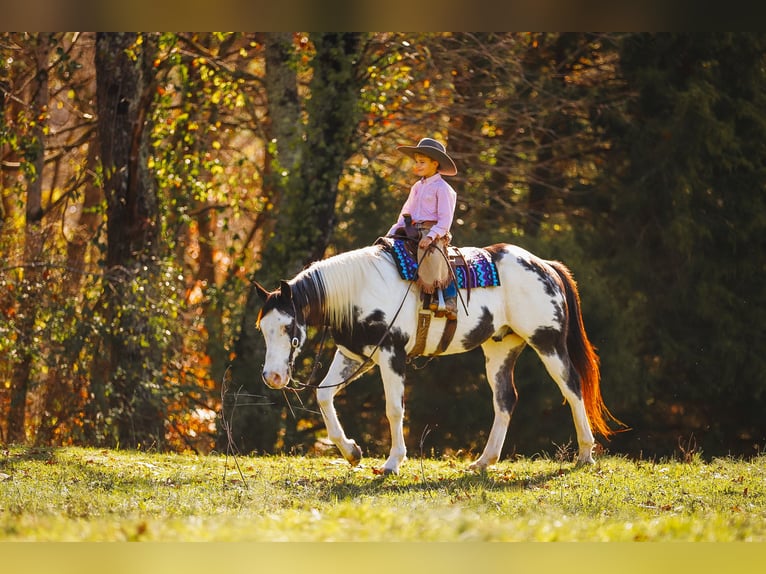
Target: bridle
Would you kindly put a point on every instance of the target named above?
(295, 342)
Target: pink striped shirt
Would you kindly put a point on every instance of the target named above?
(430, 199)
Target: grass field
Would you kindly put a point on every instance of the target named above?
(74, 494)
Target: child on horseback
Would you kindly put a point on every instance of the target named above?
(431, 207)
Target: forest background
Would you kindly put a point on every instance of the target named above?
(146, 178)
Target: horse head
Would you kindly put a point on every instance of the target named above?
(284, 332)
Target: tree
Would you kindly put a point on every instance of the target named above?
(314, 161)
(685, 230)
(131, 364)
(31, 283)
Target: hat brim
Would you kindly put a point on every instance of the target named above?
(446, 165)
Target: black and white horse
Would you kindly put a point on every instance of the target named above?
(372, 313)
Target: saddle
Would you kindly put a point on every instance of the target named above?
(470, 268)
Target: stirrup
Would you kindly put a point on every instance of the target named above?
(451, 308)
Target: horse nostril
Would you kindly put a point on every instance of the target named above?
(273, 380)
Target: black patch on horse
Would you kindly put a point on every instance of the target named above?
(279, 302)
(506, 394)
(550, 341)
(536, 267)
(559, 314)
(547, 340)
(573, 382)
(309, 296)
(483, 330)
(370, 331)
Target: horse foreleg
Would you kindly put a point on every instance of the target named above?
(392, 373)
(341, 368)
(500, 360)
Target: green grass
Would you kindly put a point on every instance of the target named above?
(79, 494)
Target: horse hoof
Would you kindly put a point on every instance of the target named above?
(356, 455)
(383, 471)
(586, 462)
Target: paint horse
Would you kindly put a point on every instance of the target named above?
(372, 314)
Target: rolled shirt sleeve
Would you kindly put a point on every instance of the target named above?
(445, 209)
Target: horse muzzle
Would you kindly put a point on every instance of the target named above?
(274, 380)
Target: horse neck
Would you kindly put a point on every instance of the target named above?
(328, 291)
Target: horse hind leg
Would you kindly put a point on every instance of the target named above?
(500, 362)
(552, 350)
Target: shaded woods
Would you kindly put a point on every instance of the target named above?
(146, 177)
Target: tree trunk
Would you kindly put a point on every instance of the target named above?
(314, 160)
(125, 90)
(31, 283)
(256, 428)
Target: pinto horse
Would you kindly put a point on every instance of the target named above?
(372, 314)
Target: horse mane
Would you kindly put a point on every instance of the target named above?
(328, 290)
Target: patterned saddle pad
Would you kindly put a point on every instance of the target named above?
(479, 270)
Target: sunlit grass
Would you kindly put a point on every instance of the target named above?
(87, 494)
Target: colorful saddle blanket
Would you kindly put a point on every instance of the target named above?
(479, 269)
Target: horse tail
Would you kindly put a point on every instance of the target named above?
(584, 358)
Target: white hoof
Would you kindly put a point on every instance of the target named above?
(392, 465)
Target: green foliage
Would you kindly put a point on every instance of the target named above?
(685, 225)
(144, 312)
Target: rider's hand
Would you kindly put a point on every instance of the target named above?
(426, 242)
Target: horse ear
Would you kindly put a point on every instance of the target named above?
(262, 293)
(284, 288)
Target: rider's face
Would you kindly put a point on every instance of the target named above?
(424, 165)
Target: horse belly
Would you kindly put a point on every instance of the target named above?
(483, 320)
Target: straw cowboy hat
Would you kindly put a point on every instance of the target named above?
(433, 149)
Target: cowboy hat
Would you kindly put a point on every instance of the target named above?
(433, 149)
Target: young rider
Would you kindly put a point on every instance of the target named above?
(431, 206)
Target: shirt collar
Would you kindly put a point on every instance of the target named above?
(434, 177)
